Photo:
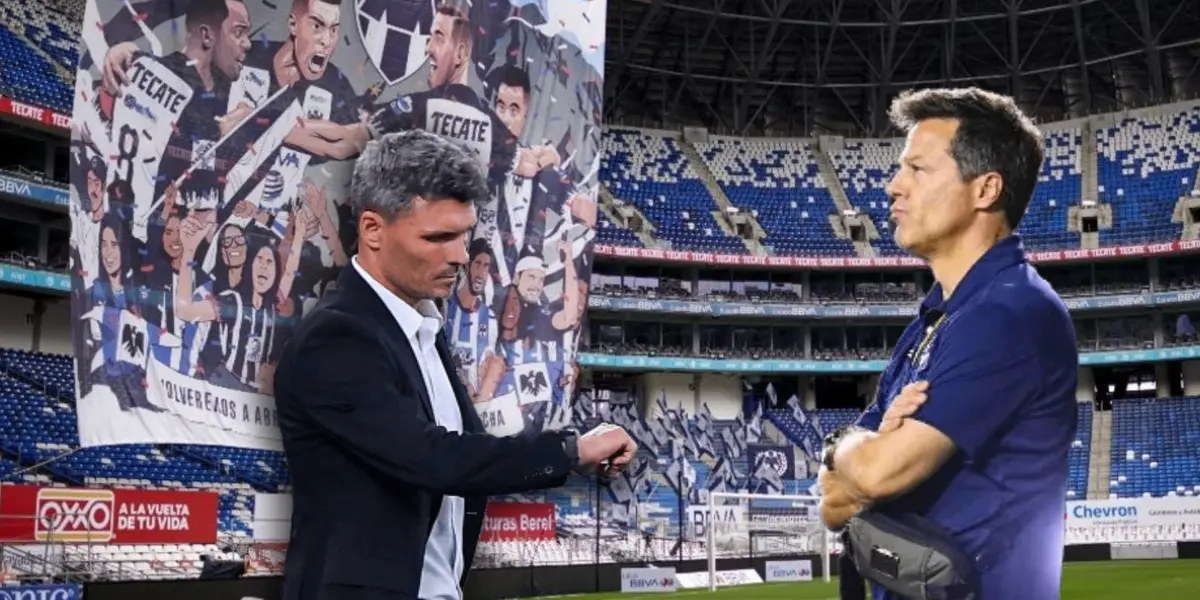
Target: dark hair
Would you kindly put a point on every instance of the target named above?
(513, 77)
(255, 243)
(120, 229)
(478, 246)
(211, 13)
(221, 269)
(993, 135)
(96, 165)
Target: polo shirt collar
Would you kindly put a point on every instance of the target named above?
(1006, 253)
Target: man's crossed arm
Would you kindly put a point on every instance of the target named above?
(870, 467)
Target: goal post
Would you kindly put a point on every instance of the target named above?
(744, 525)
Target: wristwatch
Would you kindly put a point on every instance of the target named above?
(570, 442)
(832, 440)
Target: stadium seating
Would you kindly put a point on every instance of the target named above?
(26, 75)
(49, 30)
(864, 168)
(651, 171)
(1145, 166)
(1059, 187)
(778, 181)
(1155, 447)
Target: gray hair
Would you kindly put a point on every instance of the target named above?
(398, 167)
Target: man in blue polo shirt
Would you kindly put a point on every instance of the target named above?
(976, 410)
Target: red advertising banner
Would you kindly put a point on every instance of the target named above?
(850, 262)
(518, 522)
(45, 116)
(77, 515)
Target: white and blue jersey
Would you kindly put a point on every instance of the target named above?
(471, 333)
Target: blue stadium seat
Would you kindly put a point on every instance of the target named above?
(650, 171)
(27, 76)
(780, 183)
(1145, 165)
(1155, 447)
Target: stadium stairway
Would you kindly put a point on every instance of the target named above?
(1088, 163)
(1100, 464)
(705, 175)
(832, 182)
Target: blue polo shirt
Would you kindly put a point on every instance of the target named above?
(1002, 365)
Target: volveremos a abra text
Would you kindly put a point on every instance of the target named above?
(121, 516)
(518, 521)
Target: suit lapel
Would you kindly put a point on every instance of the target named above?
(360, 299)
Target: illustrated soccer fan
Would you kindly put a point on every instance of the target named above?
(976, 412)
(472, 326)
(246, 316)
(390, 463)
(216, 42)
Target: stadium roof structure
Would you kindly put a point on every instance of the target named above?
(805, 67)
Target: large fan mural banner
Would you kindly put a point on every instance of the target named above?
(211, 152)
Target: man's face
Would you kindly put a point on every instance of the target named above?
(930, 200)
(478, 272)
(446, 55)
(95, 191)
(423, 248)
(511, 107)
(314, 33)
(171, 242)
(232, 41)
(530, 284)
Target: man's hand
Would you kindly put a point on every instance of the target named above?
(903, 406)
(606, 443)
(116, 61)
(837, 504)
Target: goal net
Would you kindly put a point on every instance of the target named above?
(777, 528)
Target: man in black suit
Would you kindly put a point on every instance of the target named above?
(391, 467)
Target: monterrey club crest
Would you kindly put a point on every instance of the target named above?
(773, 459)
(393, 34)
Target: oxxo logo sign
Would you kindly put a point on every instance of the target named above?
(789, 570)
(74, 515)
(648, 580)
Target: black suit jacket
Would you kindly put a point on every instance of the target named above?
(369, 466)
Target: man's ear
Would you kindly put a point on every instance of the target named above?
(206, 38)
(370, 230)
(987, 190)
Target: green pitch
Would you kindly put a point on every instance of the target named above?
(1112, 580)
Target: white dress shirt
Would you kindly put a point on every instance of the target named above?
(443, 551)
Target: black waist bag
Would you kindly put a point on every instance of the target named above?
(912, 557)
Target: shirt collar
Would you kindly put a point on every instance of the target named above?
(1006, 253)
(414, 321)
